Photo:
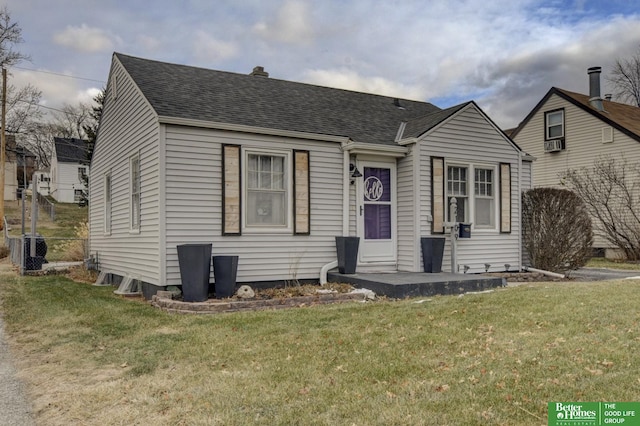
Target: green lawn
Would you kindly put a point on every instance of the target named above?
(491, 358)
(68, 216)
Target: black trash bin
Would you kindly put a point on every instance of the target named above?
(347, 252)
(34, 263)
(195, 268)
(225, 270)
(432, 252)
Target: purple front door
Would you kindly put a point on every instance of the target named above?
(377, 203)
(376, 212)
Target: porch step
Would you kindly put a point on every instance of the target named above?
(401, 285)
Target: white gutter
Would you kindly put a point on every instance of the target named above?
(376, 149)
(543, 272)
(346, 183)
(250, 129)
(519, 208)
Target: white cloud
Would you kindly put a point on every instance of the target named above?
(85, 39)
(207, 48)
(350, 80)
(292, 24)
(149, 43)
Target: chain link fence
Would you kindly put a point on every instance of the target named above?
(35, 253)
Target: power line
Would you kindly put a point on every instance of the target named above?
(61, 75)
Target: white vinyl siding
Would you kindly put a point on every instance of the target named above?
(134, 191)
(408, 258)
(128, 125)
(65, 181)
(107, 203)
(193, 205)
(468, 139)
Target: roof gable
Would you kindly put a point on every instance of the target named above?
(422, 125)
(625, 118)
(185, 92)
(71, 150)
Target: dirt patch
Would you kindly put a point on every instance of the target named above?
(297, 290)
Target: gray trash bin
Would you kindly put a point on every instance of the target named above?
(347, 253)
(225, 270)
(195, 268)
(432, 252)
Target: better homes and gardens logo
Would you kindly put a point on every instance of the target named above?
(575, 413)
(593, 413)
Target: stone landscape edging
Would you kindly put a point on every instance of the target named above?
(213, 306)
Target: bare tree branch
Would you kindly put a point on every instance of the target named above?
(10, 35)
(611, 192)
(625, 78)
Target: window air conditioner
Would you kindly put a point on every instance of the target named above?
(553, 145)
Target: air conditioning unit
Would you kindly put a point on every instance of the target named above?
(553, 145)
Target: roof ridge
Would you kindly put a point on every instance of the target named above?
(271, 78)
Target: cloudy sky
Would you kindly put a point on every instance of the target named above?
(504, 54)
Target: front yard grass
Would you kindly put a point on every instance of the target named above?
(492, 358)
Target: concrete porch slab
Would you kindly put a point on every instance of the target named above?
(400, 285)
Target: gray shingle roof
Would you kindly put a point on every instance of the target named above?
(187, 92)
(71, 150)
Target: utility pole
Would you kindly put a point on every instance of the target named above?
(3, 144)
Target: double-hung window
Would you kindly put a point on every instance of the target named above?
(457, 186)
(484, 184)
(554, 124)
(135, 191)
(266, 190)
(474, 188)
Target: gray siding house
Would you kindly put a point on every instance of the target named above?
(273, 170)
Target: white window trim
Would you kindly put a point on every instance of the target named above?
(546, 124)
(108, 202)
(252, 229)
(471, 194)
(134, 228)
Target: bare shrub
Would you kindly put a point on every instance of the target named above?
(75, 250)
(611, 193)
(556, 229)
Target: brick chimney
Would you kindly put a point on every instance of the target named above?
(594, 88)
(259, 71)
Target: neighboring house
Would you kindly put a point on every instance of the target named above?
(19, 167)
(568, 130)
(69, 169)
(266, 169)
(10, 169)
(44, 182)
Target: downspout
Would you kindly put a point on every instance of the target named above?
(543, 272)
(346, 181)
(520, 153)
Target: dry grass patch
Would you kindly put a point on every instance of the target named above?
(491, 358)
